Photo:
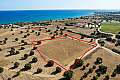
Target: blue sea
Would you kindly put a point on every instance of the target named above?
(7, 17)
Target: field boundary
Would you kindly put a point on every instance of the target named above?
(46, 58)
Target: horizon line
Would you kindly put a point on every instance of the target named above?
(53, 9)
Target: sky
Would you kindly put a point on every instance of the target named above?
(58, 4)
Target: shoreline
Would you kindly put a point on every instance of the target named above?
(65, 15)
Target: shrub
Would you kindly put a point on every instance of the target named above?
(68, 74)
(9, 79)
(58, 69)
(50, 63)
(11, 30)
(27, 66)
(6, 39)
(39, 70)
(33, 31)
(90, 70)
(21, 32)
(94, 67)
(25, 56)
(28, 34)
(106, 77)
(85, 75)
(117, 69)
(34, 48)
(38, 42)
(87, 64)
(25, 36)
(31, 53)
(34, 60)
(83, 68)
(16, 39)
(22, 41)
(16, 64)
(98, 60)
(22, 48)
(82, 37)
(17, 52)
(102, 69)
(38, 33)
(102, 43)
(77, 63)
(95, 78)
(1, 69)
(109, 39)
(113, 74)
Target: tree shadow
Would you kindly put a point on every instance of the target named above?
(54, 73)
(8, 55)
(12, 67)
(22, 58)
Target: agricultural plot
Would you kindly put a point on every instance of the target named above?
(64, 50)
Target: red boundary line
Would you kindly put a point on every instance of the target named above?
(42, 54)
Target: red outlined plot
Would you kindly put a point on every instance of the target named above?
(46, 58)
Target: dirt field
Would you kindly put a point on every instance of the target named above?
(109, 59)
(64, 50)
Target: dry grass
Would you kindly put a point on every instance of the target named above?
(110, 60)
(64, 50)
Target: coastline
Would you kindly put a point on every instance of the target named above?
(11, 17)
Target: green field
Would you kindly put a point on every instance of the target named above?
(113, 27)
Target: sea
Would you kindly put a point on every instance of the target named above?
(10, 17)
